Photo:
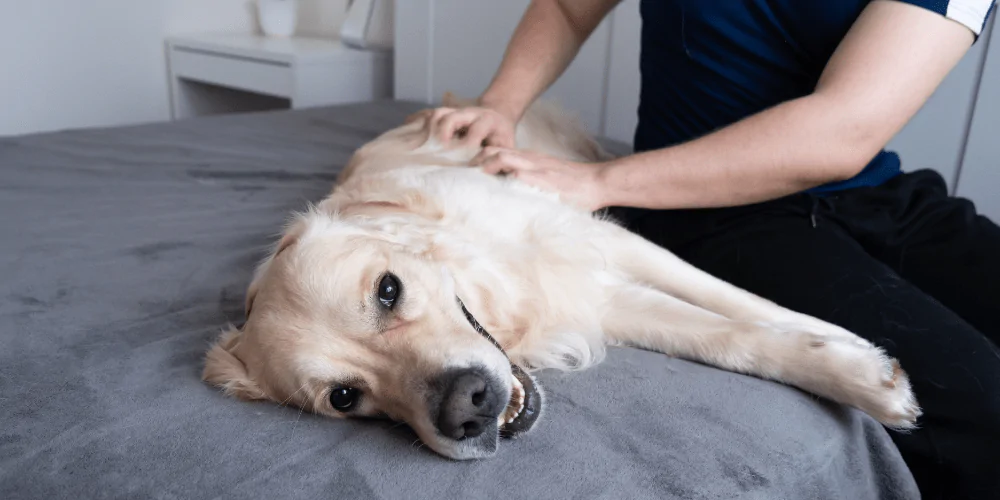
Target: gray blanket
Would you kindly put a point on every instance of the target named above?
(123, 253)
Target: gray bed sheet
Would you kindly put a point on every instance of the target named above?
(124, 251)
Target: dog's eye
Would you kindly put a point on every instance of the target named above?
(388, 290)
(343, 398)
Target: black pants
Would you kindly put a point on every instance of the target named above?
(903, 265)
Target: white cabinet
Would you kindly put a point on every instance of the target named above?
(296, 72)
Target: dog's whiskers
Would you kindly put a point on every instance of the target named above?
(290, 396)
(297, 417)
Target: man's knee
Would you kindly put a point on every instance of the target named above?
(987, 411)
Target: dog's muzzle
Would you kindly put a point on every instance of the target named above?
(525, 402)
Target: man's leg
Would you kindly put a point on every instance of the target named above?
(774, 251)
(936, 242)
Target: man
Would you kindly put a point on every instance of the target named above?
(760, 159)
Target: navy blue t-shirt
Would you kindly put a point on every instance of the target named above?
(708, 63)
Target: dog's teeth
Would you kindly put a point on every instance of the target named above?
(516, 406)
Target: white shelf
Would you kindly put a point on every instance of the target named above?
(296, 50)
(306, 72)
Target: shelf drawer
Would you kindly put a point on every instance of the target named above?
(253, 75)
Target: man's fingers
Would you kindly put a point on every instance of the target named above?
(497, 154)
(504, 160)
(438, 113)
(435, 117)
(431, 116)
(478, 131)
(500, 139)
(484, 154)
(492, 165)
(498, 163)
(451, 123)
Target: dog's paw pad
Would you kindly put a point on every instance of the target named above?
(896, 372)
(899, 409)
(816, 341)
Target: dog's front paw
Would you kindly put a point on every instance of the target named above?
(852, 371)
(874, 383)
(894, 405)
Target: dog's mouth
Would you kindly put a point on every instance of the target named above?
(524, 407)
(525, 403)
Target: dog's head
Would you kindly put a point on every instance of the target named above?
(347, 321)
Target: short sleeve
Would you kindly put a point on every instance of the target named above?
(971, 13)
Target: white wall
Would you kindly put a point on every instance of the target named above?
(979, 179)
(85, 63)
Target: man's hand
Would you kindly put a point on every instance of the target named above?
(547, 38)
(579, 184)
(470, 126)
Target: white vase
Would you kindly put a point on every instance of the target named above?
(278, 18)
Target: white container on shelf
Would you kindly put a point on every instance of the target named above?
(278, 18)
(368, 25)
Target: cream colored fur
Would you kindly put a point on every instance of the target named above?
(552, 283)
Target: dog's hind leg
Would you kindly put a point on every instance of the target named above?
(836, 368)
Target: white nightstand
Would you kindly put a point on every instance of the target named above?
(270, 73)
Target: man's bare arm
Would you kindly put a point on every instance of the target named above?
(543, 45)
(887, 66)
(545, 42)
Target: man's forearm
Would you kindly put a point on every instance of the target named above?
(792, 147)
(883, 71)
(543, 45)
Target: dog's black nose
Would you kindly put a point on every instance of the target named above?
(470, 402)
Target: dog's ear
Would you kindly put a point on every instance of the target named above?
(225, 370)
(289, 238)
(360, 199)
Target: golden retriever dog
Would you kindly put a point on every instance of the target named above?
(425, 291)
